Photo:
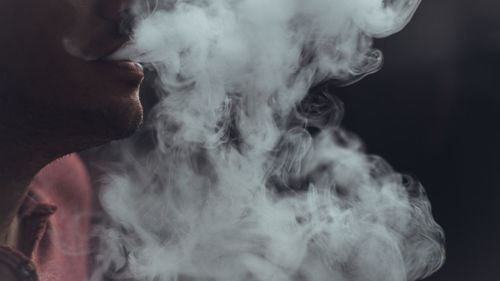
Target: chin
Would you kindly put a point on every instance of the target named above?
(105, 120)
(129, 127)
(122, 120)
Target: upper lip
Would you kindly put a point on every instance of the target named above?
(120, 33)
(107, 37)
(109, 48)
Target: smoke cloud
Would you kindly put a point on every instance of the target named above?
(250, 177)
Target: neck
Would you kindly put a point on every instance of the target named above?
(31, 136)
(23, 152)
(18, 166)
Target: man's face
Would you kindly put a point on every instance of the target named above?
(38, 71)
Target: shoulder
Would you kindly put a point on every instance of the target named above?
(66, 168)
(64, 182)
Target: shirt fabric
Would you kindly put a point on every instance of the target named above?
(53, 228)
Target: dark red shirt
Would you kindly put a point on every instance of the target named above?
(53, 226)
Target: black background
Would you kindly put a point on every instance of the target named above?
(433, 111)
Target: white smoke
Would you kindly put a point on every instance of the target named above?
(250, 178)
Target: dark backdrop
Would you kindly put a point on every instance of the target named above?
(433, 111)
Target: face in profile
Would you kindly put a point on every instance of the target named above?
(54, 70)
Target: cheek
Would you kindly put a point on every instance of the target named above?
(77, 83)
(31, 33)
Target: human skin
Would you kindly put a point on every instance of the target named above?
(52, 102)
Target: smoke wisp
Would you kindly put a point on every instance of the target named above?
(250, 177)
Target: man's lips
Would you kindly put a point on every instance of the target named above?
(123, 69)
(98, 52)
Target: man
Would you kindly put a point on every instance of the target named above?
(53, 103)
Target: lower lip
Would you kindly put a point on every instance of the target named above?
(126, 70)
